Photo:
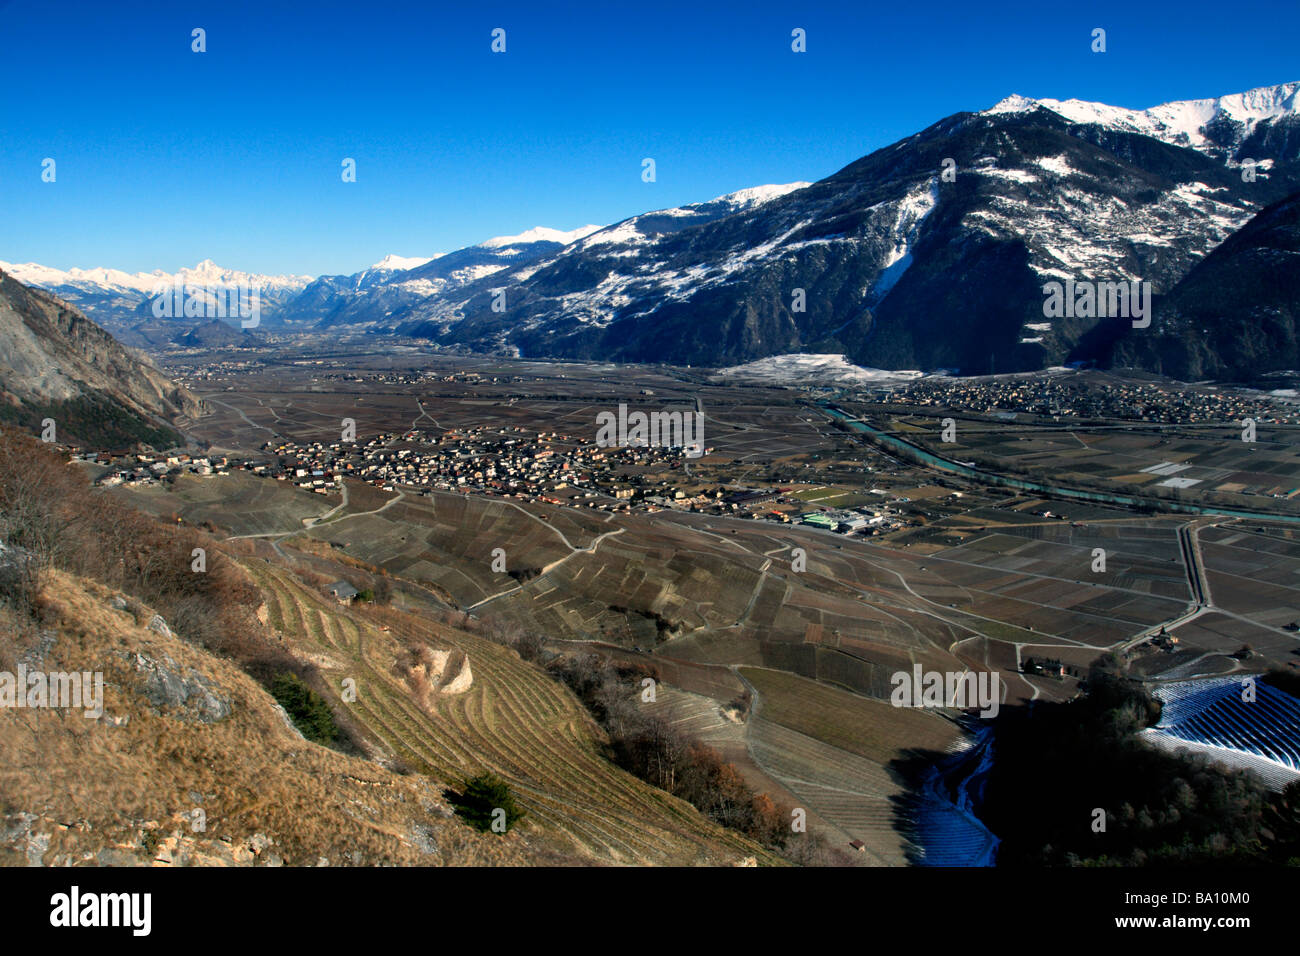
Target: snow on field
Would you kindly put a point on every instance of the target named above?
(1016, 175)
(803, 369)
(471, 273)
(1054, 164)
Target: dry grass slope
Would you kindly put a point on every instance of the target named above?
(120, 790)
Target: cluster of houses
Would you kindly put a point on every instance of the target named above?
(1075, 398)
(503, 460)
(543, 467)
(149, 468)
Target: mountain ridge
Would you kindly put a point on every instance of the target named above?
(929, 253)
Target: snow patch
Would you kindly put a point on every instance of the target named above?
(812, 368)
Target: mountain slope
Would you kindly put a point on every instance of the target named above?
(217, 334)
(395, 285)
(54, 362)
(1236, 315)
(898, 267)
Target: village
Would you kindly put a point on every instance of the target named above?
(540, 467)
(1056, 398)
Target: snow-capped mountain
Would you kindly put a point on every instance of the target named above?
(540, 234)
(631, 239)
(381, 273)
(392, 263)
(1223, 127)
(435, 290)
(393, 285)
(120, 300)
(31, 273)
(205, 273)
(894, 263)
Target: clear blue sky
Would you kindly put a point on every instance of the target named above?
(165, 156)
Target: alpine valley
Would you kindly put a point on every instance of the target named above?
(888, 261)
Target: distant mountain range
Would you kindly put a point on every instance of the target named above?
(120, 300)
(930, 253)
(395, 285)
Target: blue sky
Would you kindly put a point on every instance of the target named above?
(165, 156)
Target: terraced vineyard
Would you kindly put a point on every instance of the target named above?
(514, 720)
(1213, 714)
(835, 751)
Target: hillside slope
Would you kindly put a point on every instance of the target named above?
(55, 362)
(1237, 314)
(182, 731)
(513, 720)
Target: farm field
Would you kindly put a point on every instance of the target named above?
(238, 504)
(872, 729)
(1193, 459)
(722, 591)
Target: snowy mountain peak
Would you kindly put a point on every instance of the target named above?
(32, 273)
(1182, 122)
(541, 234)
(757, 195)
(392, 263)
(1015, 103)
(209, 273)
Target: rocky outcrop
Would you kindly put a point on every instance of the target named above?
(180, 691)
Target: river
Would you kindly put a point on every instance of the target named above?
(1078, 494)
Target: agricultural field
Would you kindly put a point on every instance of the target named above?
(1191, 460)
(837, 752)
(513, 720)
